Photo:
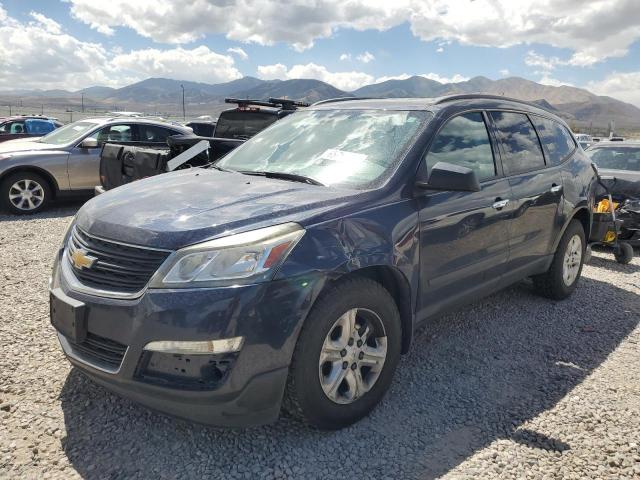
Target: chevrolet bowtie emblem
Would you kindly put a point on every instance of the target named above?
(81, 260)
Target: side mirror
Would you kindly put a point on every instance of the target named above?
(447, 176)
(89, 142)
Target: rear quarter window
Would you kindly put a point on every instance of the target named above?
(556, 139)
(519, 142)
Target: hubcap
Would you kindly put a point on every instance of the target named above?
(352, 355)
(572, 258)
(26, 194)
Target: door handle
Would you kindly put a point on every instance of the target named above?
(556, 188)
(500, 204)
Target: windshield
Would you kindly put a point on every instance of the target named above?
(352, 148)
(616, 158)
(68, 134)
(242, 124)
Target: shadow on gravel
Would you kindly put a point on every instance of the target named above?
(471, 378)
(609, 262)
(61, 208)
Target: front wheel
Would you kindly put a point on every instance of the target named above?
(562, 277)
(25, 193)
(346, 355)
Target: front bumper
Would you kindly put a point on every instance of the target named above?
(249, 392)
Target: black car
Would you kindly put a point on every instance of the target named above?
(252, 116)
(295, 270)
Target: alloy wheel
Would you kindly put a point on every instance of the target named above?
(26, 194)
(352, 355)
(572, 258)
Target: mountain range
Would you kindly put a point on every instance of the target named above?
(574, 104)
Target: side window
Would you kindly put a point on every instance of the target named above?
(556, 139)
(154, 133)
(520, 144)
(17, 127)
(464, 141)
(115, 133)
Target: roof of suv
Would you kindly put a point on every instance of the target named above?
(432, 104)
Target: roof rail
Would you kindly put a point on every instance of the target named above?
(481, 96)
(341, 99)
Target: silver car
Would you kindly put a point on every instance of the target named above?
(617, 159)
(66, 161)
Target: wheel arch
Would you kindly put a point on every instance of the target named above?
(394, 281)
(31, 168)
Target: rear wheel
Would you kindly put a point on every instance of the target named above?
(562, 277)
(346, 355)
(25, 192)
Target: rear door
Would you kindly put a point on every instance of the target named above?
(537, 190)
(464, 240)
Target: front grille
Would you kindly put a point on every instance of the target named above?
(118, 268)
(101, 351)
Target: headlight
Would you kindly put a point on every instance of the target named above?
(248, 257)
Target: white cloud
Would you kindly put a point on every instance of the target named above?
(402, 76)
(346, 81)
(239, 52)
(594, 30)
(457, 78)
(277, 71)
(439, 49)
(50, 25)
(345, 57)
(534, 59)
(553, 82)
(199, 64)
(38, 54)
(505, 72)
(624, 86)
(366, 57)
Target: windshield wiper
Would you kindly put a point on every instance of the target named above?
(218, 167)
(284, 176)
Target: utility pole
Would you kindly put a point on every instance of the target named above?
(82, 93)
(184, 112)
(9, 109)
(42, 109)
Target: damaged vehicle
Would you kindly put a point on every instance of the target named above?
(294, 271)
(619, 165)
(66, 161)
(121, 163)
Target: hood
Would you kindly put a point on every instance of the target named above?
(176, 209)
(24, 145)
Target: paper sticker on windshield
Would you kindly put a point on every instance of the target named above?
(342, 156)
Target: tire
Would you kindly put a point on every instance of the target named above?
(310, 395)
(35, 185)
(557, 282)
(623, 253)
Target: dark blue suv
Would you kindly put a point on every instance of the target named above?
(294, 272)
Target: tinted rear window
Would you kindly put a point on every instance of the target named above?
(519, 142)
(242, 124)
(556, 139)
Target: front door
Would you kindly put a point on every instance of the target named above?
(84, 163)
(464, 238)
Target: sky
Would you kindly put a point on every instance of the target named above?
(72, 44)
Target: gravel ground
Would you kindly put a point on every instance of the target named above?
(513, 386)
